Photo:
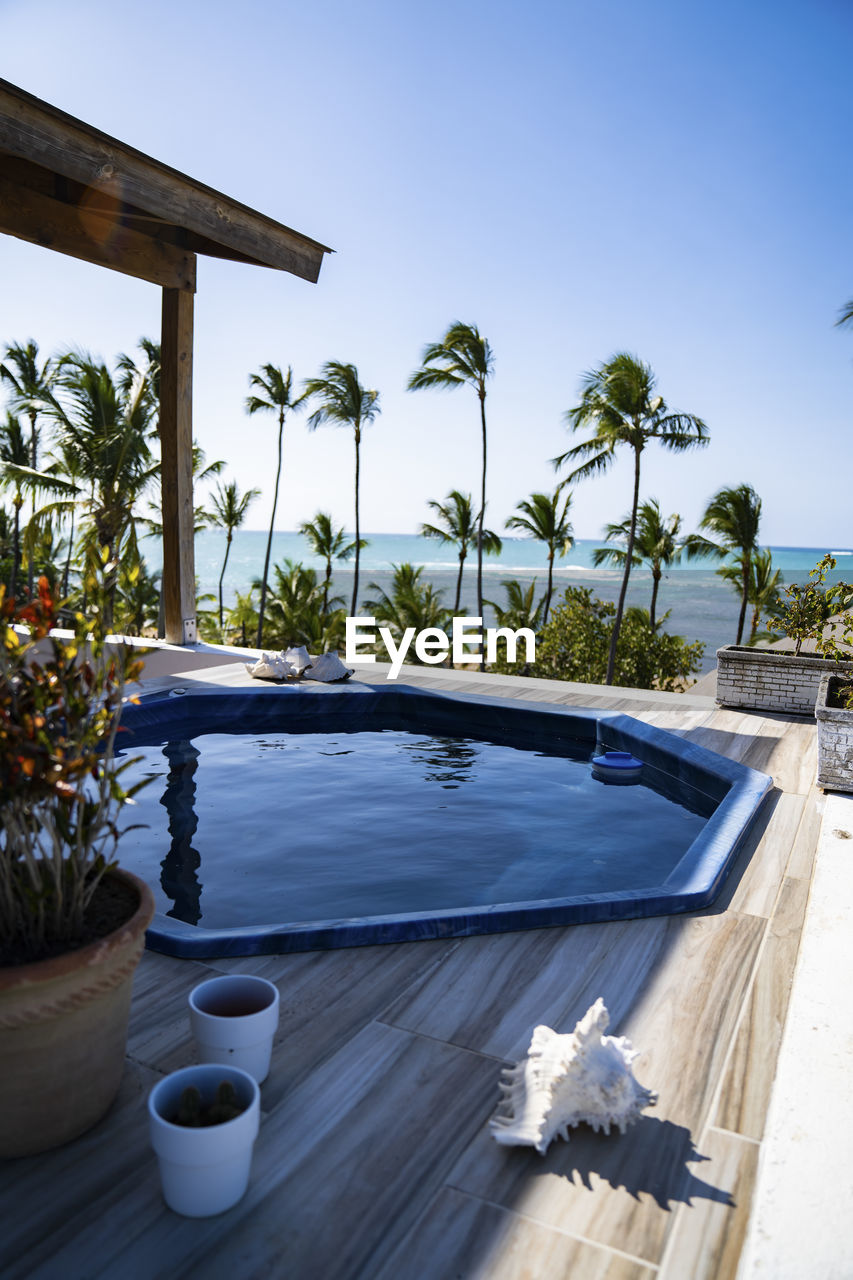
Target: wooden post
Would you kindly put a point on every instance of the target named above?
(176, 449)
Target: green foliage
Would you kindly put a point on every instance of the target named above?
(411, 603)
(137, 604)
(806, 610)
(60, 794)
(575, 644)
(518, 610)
(295, 613)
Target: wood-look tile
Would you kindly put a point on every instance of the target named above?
(686, 1016)
(463, 1237)
(752, 886)
(745, 1092)
(787, 749)
(326, 997)
(801, 862)
(374, 1144)
(707, 1237)
(492, 991)
(64, 1210)
(617, 1190)
(329, 996)
(343, 1166)
(159, 1032)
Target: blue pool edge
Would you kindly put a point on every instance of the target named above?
(694, 883)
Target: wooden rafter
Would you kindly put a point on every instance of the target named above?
(69, 187)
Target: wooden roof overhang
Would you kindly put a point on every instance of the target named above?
(69, 187)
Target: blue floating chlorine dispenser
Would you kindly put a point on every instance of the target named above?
(616, 766)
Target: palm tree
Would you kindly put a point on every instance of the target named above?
(541, 519)
(463, 357)
(328, 543)
(294, 607)
(149, 369)
(457, 524)
(14, 452)
(764, 586)
(275, 395)
(619, 405)
(846, 317)
(30, 385)
(103, 433)
(411, 603)
(733, 516)
(344, 402)
(229, 512)
(243, 616)
(519, 609)
(655, 544)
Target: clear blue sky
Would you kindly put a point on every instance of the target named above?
(667, 178)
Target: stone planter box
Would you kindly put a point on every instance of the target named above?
(834, 740)
(771, 679)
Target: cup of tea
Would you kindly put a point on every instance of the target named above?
(234, 1019)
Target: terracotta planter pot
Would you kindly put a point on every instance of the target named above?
(63, 1030)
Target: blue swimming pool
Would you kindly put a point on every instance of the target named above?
(286, 819)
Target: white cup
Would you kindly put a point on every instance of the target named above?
(234, 1019)
(203, 1171)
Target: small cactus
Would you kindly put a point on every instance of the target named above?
(193, 1114)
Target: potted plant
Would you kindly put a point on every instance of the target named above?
(72, 925)
(203, 1123)
(834, 714)
(785, 679)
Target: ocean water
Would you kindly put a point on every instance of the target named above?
(702, 606)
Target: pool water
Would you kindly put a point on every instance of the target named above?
(288, 819)
(310, 826)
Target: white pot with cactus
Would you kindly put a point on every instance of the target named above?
(203, 1123)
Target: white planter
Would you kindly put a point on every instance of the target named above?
(234, 1019)
(203, 1171)
(834, 741)
(771, 679)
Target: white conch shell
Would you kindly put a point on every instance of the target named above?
(328, 668)
(298, 658)
(271, 666)
(566, 1079)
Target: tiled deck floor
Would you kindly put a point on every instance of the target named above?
(374, 1158)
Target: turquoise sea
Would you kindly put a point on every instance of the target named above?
(702, 606)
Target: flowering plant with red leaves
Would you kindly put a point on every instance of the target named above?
(60, 789)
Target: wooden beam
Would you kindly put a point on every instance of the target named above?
(176, 452)
(36, 131)
(92, 236)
